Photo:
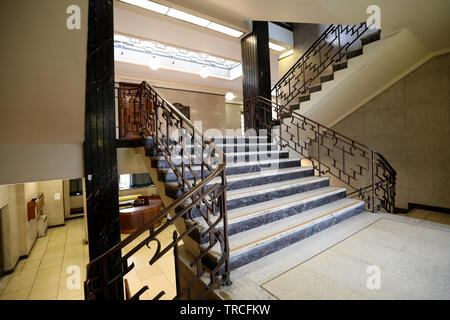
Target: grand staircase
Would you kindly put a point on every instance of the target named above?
(235, 200)
(272, 201)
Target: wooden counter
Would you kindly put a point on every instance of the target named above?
(133, 218)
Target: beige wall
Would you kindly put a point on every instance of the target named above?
(130, 161)
(205, 107)
(149, 191)
(42, 85)
(233, 116)
(409, 123)
(54, 209)
(304, 36)
(19, 233)
(22, 163)
(17, 239)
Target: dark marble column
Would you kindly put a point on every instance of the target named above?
(256, 72)
(100, 157)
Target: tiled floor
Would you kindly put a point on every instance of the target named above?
(432, 216)
(158, 277)
(413, 260)
(43, 275)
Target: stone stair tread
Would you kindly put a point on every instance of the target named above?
(240, 144)
(240, 242)
(227, 153)
(267, 173)
(241, 214)
(238, 193)
(250, 175)
(236, 164)
(233, 194)
(250, 163)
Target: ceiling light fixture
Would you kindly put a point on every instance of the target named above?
(229, 96)
(276, 47)
(174, 13)
(223, 29)
(204, 72)
(177, 14)
(149, 5)
(154, 63)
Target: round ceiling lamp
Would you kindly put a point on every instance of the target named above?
(204, 72)
(154, 63)
(229, 96)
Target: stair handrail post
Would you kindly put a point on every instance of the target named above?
(176, 264)
(318, 150)
(374, 200)
(223, 208)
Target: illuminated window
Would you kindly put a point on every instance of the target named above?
(132, 181)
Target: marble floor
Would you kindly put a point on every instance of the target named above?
(43, 275)
(426, 215)
(392, 257)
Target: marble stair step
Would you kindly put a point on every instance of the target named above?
(252, 179)
(253, 244)
(219, 140)
(239, 139)
(227, 148)
(371, 38)
(253, 216)
(354, 53)
(167, 175)
(160, 161)
(271, 191)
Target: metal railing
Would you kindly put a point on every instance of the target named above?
(366, 172)
(170, 130)
(330, 48)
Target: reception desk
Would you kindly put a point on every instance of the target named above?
(133, 218)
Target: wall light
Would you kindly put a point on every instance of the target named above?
(229, 96)
(220, 28)
(204, 72)
(149, 5)
(276, 47)
(174, 13)
(154, 63)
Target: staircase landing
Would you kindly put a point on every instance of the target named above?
(333, 264)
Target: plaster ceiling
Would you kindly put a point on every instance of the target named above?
(427, 19)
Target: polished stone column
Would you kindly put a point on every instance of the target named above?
(256, 72)
(100, 157)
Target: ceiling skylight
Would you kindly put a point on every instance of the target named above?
(157, 55)
(149, 5)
